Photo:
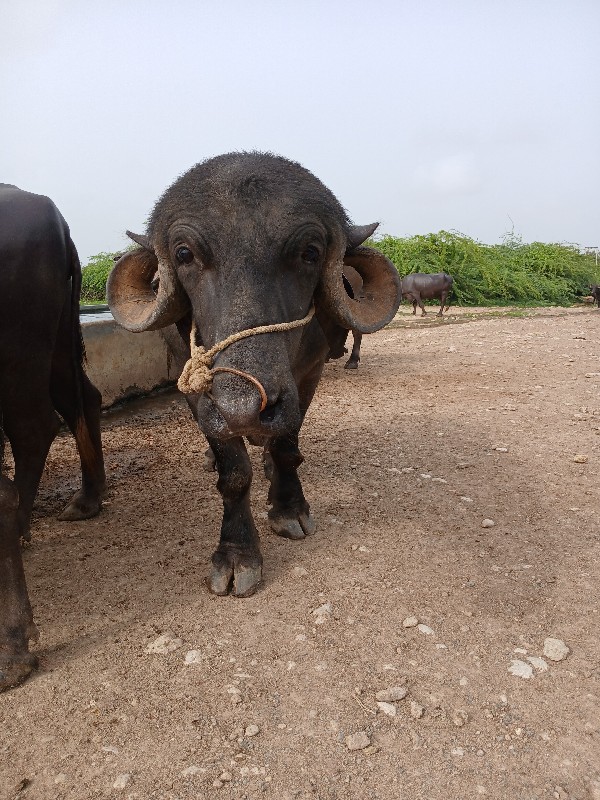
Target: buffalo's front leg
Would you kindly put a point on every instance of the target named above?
(352, 362)
(237, 561)
(16, 621)
(290, 514)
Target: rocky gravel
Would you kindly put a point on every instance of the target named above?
(405, 650)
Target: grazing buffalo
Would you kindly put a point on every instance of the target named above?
(419, 286)
(41, 373)
(595, 292)
(250, 250)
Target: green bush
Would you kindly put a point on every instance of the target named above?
(510, 273)
(94, 276)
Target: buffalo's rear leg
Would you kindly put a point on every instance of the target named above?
(237, 561)
(290, 515)
(16, 620)
(78, 401)
(31, 424)
(87, 501)
(352, 362)
(443, 298)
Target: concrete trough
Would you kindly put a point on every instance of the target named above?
(123, 364)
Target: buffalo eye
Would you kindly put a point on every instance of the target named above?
(310, 254)
(184, 255)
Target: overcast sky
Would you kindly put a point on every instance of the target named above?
(423, 114)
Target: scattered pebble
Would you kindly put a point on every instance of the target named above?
(300, 572)
(189, 772)
(193, 657)
(416, 710)
(457, 751)
(121, 781)
(410, 622)
(251, 730)
(166, 643)
(387, 708)
(459, 718)
(488, 523)
(438, 480)
(466, 499)
(555, 649)
(520, 668)
(425, 629)
(225, 777)
(501, 449)
(580, 459)
(392, 695)
(538, 663)
(322, 613)
(358, 741)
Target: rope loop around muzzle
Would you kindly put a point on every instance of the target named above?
(197, 375)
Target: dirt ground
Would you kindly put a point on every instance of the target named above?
(442, 427)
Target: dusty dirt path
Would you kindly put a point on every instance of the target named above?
(443, 426)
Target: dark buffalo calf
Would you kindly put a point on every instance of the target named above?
(419, 286)
(241, 241)
(41, 373)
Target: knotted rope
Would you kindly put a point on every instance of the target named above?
(197, 374)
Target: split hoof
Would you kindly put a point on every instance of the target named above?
(351, 365)
(229, 575)
(81, 507)
(297, 527)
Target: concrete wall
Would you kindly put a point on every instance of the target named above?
(123, 364)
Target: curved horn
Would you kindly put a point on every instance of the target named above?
(380, 297)
(131, 298)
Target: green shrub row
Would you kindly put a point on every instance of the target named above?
(510, 273)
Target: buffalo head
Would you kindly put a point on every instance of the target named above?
(243, 240)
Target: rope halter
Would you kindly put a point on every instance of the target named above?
(197, 375)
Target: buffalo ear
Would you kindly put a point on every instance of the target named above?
(136, 302)
(358, 234)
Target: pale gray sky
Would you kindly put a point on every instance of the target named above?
(422, 114)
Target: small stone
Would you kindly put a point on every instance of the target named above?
(363, 549)
(457, 751)
(555, 649)
(538, 663)
(358, 740)
(520, 668)
(189, 772)
(122, 780)
(410, 622)
(251, 730)
(193, 657)
(466, 499)
(226, 777)
(322, 613)
(217, 784)
(416, 710)
(580, 459)
(501, 449)
(387, 708)
(300, 572)
(60, 778)
(488, 523)
(392, 695)
(459, 718)
(425, 629)
(166, 643)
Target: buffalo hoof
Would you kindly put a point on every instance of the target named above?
(351, 364)
(15, 669)
(234, 574)
(81, 507)
(292, 527)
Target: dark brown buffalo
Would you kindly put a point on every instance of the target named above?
(41, 373)
(595, 292)
(242, 240)
(419, 286)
